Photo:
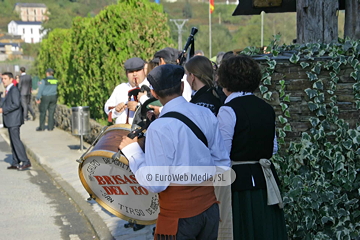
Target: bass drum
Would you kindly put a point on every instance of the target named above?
(111, 182)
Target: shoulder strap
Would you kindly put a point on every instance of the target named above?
(196, 130)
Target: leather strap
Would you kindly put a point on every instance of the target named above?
(196, 130)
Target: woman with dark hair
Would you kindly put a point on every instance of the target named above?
(200, 75)
(247, 124)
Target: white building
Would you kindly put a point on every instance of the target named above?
(30, 32)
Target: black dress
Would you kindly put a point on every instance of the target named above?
(253, 139)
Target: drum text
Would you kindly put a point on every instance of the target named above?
(92, 166)
(133, 211)
(116, 179)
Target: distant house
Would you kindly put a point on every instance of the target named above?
(30, 32)
(31, 12)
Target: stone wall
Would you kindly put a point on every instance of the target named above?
(296, 81)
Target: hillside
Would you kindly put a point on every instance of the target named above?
(228, 32)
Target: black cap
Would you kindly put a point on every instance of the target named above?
(168, 54)
(50, 70)
(165, 76)
(134, 64)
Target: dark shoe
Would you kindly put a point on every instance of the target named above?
(50, 129)
(34, 117)
(27, 119)
(12, 167)
(39, 129)
(137, 227)
(24, 167)
(128, 225)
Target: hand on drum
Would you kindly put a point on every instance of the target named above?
(120, 107)
(125, 140)
(131, 105)
(156, 110)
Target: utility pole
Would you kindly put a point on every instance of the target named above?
(179, 23)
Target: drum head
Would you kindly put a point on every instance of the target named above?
(113, 185)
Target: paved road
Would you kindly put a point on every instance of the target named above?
(34, 207)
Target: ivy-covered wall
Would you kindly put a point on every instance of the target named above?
(315, 90)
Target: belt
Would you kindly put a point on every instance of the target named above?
(273, 192)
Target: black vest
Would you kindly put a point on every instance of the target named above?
(205, 97)
(253, 139)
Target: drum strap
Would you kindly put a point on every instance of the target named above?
(196, 130)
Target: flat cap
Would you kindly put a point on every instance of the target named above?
(134, 64)
(50, 70)
(165, 76)
(168, 54)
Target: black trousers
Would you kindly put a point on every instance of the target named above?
(17, 147)
(204, 226)
(48, 103)
(25, 102)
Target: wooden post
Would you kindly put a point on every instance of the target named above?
(352, 19)
(317, 21)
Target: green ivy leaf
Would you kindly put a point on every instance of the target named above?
(322, 111)
(314, 121)
(287, 127)
(347, 144)
(267, 81)
(317, 68)
(267, 96)
(272, 64)
(283, 106)
(282, 120)
(282, 134)
(356, 86)
(336, 65)
(312, 106)
(294, 58)
(318, 85)
(312, 76)
(326, 220)
(287, 113)
(311, 92)
(263, 89)
(282, 83)
(304, 64)
(357, 103)
(287, 98)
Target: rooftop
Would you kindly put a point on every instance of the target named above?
(26, 23)
(36, 5)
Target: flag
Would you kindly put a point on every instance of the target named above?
(211, 6)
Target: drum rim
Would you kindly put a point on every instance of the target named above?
(95, 196)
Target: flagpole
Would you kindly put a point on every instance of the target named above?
(210, 54)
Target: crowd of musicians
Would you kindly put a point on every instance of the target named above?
(198, 114)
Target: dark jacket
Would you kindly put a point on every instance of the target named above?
(25, 84)
(205, 97)
(253, 139)
(12, 109)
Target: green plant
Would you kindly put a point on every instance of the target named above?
(319, 171)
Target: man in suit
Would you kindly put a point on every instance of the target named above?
(25, 92)
(13, 119)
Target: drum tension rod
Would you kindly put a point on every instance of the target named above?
(90, 198)
(81, 160)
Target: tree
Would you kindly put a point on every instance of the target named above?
(317, 21)
(352, 19)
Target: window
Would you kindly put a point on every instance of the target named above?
(31, 30)
(23, 30)
(40, 31)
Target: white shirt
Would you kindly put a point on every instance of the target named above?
(170, 142)
(227, 121)
(187, 93)
(119, 95)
